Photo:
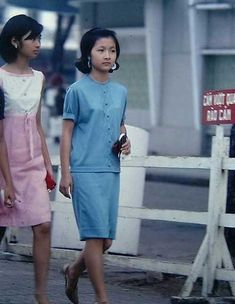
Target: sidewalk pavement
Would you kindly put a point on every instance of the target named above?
(123, 285)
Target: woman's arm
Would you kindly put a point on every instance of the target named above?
(65, 147)
(45, 151)
(9, 195)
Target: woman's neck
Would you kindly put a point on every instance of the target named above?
(18, 67)
(100, 77)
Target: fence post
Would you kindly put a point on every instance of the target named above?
(217, 154)
(209, 255)
(230, 233)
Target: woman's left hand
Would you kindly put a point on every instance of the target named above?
(126, 147)
(50, 171)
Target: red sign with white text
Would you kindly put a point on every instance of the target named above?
(218, 107)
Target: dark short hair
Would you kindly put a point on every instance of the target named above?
(17, 27)
(87, 43)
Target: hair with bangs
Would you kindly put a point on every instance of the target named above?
(16, 27)
(87, 43)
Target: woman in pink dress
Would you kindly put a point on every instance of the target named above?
(27, 150)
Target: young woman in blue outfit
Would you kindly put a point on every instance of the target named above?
(94, 114)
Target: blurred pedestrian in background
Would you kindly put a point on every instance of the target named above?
(54, 100)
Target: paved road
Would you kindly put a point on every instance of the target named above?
(16, 285)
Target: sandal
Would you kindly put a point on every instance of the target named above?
(71, 289)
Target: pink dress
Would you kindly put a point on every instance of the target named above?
(22, 99)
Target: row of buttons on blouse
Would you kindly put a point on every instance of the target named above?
(109, 128)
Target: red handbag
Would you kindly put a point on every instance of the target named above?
(50, 182)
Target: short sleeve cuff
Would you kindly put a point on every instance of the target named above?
(69, 116)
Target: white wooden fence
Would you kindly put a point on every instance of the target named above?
(213, 260)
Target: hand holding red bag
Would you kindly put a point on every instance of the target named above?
(50, 182)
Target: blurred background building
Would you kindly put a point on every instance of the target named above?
(171, 51)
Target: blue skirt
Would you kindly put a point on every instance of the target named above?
(95, 199)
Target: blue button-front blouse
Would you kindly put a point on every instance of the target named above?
(98, 110)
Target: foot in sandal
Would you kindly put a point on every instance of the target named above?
(71, 289)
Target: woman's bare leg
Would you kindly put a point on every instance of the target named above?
(94, 261)
(72, 273)
(75, 269)
(41, 256)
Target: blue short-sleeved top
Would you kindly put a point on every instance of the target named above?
(98, 111)
(1, 104)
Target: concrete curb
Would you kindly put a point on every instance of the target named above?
(201, 300)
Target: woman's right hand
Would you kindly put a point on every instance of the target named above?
(66, 185)
(9, 196)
